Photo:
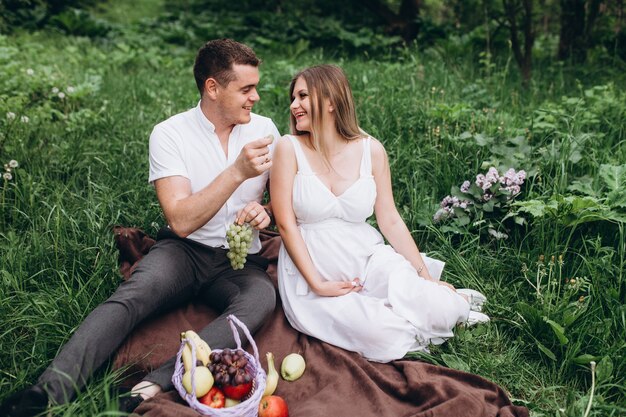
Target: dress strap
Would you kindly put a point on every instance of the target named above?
(303, 163)
(366, 160)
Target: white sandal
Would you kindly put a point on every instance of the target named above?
(475, 318)
(474, 298)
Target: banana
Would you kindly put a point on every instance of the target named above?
(202, 349)
(272, 375)
(187, 358)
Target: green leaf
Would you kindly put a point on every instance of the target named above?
(558, 330)
(453, 361)
(482, 140)
(537, 208)
(475, 191)
(584, 359)
(456, 192)
(616, 198)
(519, 220)
(582, 203)
(583, 185)
(604, 369)
(462, 221)
(545, 350)
(465, 135)
(613, 176)
(570, 314)
(453, 229)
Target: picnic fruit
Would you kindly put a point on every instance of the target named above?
(230, 402)
(214, 398)
(237, 392)
(272, 375)
(292, 367)
(230, 367)
(203, 380)
(203, 351)
(273, 406)
(239, 238)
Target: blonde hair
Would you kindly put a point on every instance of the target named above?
(327, 82)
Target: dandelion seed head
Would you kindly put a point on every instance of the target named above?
(13, 163)
(30, 71)
(70, 89)
(24, 119)
(61, 95)
(7, 176)
(10, 115)
(55, 90)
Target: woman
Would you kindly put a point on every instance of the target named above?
(338, 280)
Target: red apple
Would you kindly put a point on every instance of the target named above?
(273, 406)
(214, 398)
(237, 392)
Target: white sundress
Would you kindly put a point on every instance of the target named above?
(397, 311)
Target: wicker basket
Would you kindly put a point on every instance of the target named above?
(249, 406)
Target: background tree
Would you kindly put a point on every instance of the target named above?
(519, 15)
(404, 22)
(577, 21)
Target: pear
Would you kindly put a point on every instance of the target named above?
(229, 402)
(203, 381)
(292, 367)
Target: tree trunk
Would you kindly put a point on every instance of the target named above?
(409, 10)
(572, 37)
(577, 20)
(523, 55)
(404, 23)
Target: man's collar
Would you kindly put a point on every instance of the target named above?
(204, 121)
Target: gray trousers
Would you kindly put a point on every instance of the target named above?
(174, 271)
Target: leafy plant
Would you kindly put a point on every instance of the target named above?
(481, 205)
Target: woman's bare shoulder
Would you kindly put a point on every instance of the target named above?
(378, 150)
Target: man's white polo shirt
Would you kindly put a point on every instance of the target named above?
(186, 145)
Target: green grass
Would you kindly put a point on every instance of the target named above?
(83, 168)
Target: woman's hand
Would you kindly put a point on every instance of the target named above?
(255, 215)
(337, 288)
(445, 284)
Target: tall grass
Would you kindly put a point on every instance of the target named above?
(83, 168)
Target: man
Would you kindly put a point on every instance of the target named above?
(209, 166)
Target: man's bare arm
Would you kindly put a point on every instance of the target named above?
(186, 212)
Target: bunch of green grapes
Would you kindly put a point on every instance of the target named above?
(239, 240)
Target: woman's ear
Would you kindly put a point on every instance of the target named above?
(331, 108)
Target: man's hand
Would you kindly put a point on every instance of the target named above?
(254, 158)
(337, 288)
(255, 215)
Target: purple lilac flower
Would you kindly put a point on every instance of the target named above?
(513, 180)
(449, 201)
(465, 186)
(486, 181)
(492, 176)
(447, 207)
